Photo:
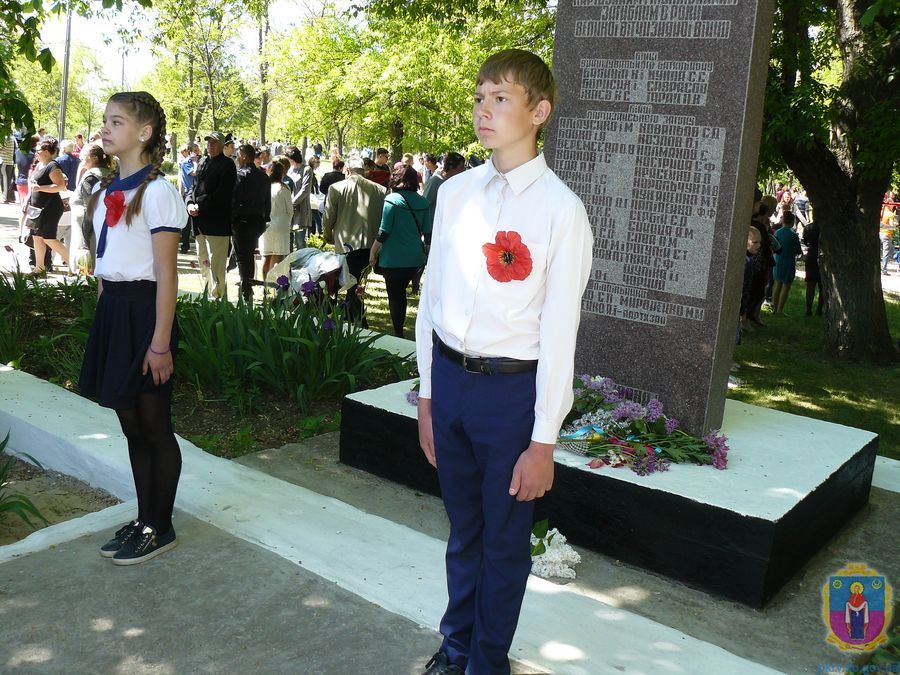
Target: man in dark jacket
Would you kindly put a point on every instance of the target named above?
(209, 205)
(252, 204)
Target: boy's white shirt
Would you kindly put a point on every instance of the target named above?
(536, 318)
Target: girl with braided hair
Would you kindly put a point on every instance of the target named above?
(137, 217)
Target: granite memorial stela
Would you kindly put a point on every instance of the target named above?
(657, 130)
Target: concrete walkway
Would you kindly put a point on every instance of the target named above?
(292, 563)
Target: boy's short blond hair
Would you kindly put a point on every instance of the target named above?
(523, 68)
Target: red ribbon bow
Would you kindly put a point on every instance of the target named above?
(115, 207)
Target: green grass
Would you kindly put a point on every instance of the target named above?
(377, 313)
(784, 366)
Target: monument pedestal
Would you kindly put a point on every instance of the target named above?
(791, 483)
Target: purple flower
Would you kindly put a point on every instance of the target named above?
(648, 464)
(720, 459)
(629, 410)
(412, 397)
(329, 325)
(671, 424)
(308, 288)
(283, 282)
(585, 380)
(654, 410)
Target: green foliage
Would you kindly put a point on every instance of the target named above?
(12, 502)
(541, 528)
(315, 425)
(317, 241)
(400, 78)
(198, 78)
(26, 306)
(237, 351)
(241, 443)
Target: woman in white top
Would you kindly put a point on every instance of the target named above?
(276, 240)
(95, 164)
(138, 217)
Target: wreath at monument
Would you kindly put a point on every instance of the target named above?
(608, 425)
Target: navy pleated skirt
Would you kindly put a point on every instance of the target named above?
(119, 338)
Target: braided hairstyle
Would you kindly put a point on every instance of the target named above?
(145, 110)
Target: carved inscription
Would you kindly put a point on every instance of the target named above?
(650, 184)
(672, 19)
(646, 79)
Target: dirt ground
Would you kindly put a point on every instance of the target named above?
(57, 496)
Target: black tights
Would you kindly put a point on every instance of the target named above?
(396, 279)
(155, 458)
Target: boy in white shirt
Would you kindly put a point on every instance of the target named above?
(510, 258)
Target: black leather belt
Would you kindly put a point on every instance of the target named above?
(485, 365)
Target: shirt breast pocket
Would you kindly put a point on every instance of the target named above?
(526, 273)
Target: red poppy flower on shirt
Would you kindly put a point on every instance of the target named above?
(508, 258)
(115, 207)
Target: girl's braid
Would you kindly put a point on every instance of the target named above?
(156, 149)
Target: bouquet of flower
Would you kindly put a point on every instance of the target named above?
(616, 431)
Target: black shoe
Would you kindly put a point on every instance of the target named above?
(144, 545)
(121, 536)
(184, 249)
(440, 665)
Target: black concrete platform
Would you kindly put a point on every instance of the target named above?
(741, 533)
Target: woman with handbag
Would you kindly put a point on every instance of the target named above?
(45, 206)
(401, 245)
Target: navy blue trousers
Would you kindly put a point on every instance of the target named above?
(482, 424)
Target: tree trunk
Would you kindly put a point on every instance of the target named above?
(396, 142)
(340, 141)
(192, 117)
(855, 317)
(844, 192)
(263, 77)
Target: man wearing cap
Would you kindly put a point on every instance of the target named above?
(228, 148)
(352, 217)
(209, 205)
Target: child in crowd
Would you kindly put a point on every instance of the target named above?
(754, 240)
(495, 341)
(138, 217)
(785, 262)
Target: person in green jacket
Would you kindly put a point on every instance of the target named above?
(401, 246)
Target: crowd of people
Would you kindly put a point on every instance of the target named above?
(783, 231)
(244, 197)
(773, 248)
(373, 212)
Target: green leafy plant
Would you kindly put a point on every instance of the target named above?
(12, 502)
(541, 528)
(302, 351)
(315, 425)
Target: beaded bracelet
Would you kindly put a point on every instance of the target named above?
(159, 353)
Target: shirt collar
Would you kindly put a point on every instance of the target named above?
(521, 177)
